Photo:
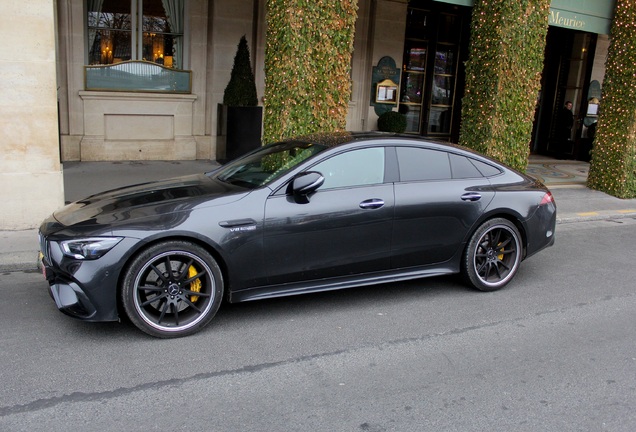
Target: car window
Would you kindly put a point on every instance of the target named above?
(485, 169)
(353, 168)
(417, 164)
(266, 164)
(462, 168)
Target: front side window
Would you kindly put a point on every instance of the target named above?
(121, 30)
(354, 168)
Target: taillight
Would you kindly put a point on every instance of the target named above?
(547, 199)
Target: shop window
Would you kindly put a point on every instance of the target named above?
(148, 30)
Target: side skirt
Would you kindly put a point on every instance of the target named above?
(322, 285)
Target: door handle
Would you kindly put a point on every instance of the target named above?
(373, 203)
(471, 196)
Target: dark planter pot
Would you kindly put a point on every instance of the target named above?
(242, 127)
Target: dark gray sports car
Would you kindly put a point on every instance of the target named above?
(311, 214)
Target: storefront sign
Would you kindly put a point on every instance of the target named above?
(566, 19)
(594, 16)
(578, 21)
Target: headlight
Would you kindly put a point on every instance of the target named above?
(89, 248)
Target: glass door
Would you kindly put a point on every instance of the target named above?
(429, 86)
(414, 67)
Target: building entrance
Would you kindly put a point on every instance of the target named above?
(558, 128)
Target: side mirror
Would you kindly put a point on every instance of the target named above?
(306, 183)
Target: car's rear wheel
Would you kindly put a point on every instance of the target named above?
(172, 289)
(493, 255)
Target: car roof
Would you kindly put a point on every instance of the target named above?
(336, 139)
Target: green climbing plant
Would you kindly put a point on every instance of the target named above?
(503, 77)
(307, 66)
(613, 165)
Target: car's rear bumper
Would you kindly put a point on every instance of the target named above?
(541, 229)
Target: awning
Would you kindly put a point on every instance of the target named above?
(594, 16)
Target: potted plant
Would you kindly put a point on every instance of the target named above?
(240, 116)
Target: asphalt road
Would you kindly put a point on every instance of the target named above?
(554, 351)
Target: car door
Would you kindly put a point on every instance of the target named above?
(436, 203)
(343, 229)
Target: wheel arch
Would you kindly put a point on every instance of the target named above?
(511, 216)
(142, 246)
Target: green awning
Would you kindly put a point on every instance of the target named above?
(594, 16)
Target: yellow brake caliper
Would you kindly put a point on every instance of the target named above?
(500, 256)
(195, 285)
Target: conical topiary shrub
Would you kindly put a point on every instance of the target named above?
(241, 90)
(240, 117)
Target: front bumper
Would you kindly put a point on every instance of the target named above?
(71, 299)
(83, 289)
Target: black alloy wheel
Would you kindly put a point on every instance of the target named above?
(493, 255)
(172, 289)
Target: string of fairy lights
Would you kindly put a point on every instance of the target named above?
(613, 166)
(307, 66)
(503, 77)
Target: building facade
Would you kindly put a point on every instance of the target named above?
(104, 80)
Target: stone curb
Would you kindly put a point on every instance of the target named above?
(19, 261)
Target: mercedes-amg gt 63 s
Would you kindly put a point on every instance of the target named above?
(317, 213)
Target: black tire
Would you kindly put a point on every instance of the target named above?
(493, 255)
(172, 289)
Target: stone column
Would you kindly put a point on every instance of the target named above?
(31, 182)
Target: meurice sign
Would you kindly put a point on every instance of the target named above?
(557, 18)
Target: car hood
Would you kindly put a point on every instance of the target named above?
(148, 199)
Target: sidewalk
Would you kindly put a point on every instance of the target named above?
(566, 180)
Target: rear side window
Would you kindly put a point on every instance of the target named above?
(418, 164)
(485, 169)
(462, 168)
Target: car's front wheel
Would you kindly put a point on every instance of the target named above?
(493, 255)
(172, 289)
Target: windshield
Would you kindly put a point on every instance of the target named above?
(267, 164)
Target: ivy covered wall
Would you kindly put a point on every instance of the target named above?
(503, 77)
(307, 66)
(613, 166)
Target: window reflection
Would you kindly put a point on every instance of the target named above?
(412, 87)
(416, 58)
(439, 120)
(442, 90)
(445, 61)
(412, 113)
